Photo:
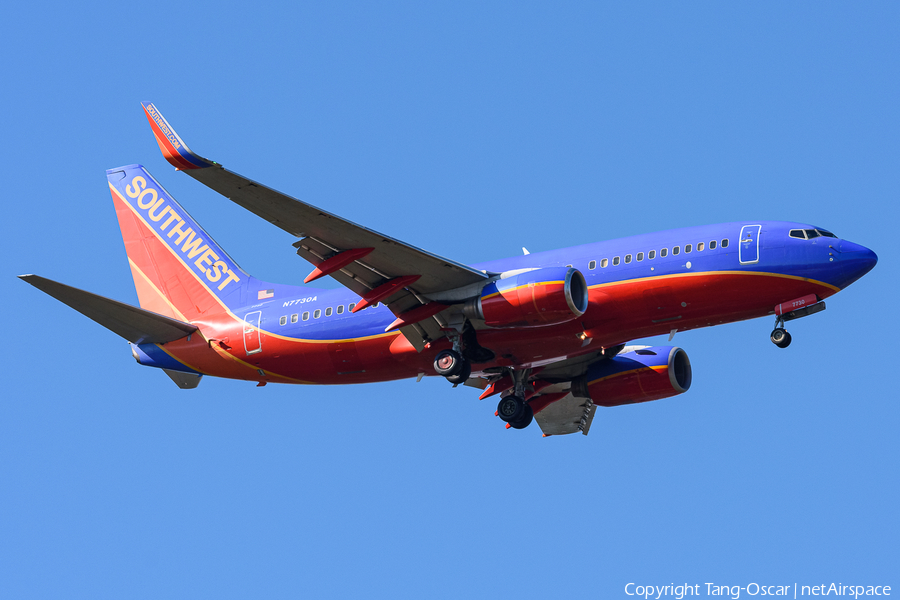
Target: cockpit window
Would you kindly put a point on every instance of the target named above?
(808, 234)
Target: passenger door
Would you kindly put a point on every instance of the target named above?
(252, 343)
(748, 246)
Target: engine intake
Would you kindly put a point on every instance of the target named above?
(534, 298)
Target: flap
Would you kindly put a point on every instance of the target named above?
(567, 415)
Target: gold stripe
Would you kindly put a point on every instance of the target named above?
(157, 290)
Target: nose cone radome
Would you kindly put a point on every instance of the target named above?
(856, 261)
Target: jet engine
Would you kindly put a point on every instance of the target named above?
(531, 298)
(639, 375)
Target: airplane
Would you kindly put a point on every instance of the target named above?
(548, 333)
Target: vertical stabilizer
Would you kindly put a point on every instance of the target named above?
(178, 269)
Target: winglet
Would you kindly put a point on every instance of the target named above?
(173, 148)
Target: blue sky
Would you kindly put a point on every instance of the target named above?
(469, 129)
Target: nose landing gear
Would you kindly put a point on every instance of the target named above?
(780, 337)
(788, 311)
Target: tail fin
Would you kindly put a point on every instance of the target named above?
(178, 270)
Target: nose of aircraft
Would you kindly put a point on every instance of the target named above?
(856, 261)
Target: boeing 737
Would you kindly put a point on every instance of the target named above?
(547, 333)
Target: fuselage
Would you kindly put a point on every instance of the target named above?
(639, 286)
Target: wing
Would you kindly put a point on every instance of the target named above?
(377, 267)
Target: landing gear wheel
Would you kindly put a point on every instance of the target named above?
(448, 362)
(463, 375)
(786, 341)
(511, 409)
(780, 338)
(525, 420)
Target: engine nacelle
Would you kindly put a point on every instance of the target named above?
(534, 298)
(641, 375)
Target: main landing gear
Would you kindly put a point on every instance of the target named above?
(456, 364)
(515, 411)
(513, 408)
(453, 366)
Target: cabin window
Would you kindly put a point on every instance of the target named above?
(700, 247)
(627, 258)
(640, 256)
(604, 263)
(676, 250)
(294, 318)
(317, 313)
(569, 266)
(328, 312)
(616, 261)
(712, 245)
(663, 252)
(688, 248)
(592, 265)
(282, 321)
(350, 307)
(651, 255)
(797, 233)
(340, 309)
(725, 243)
(306, 316)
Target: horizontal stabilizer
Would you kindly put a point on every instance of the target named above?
(135, 324)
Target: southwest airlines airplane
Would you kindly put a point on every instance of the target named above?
(547, 333)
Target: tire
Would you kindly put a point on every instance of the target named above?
(785, 341)
(525, 420)
(447, 363)
(510, 409)
(463, 375)
(778, 335)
